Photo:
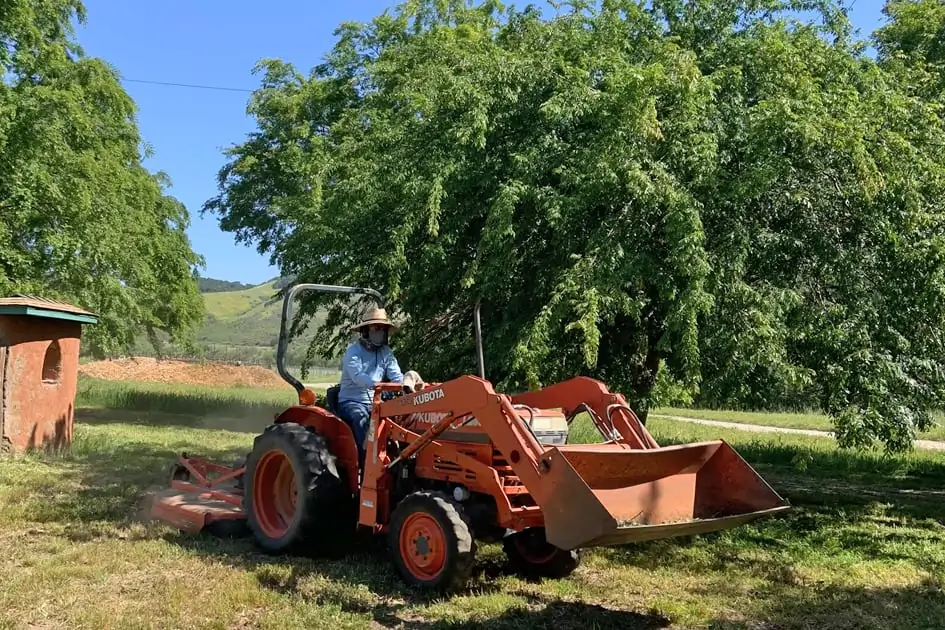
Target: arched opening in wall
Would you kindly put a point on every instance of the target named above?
(52, 364)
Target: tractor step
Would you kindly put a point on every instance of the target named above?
(193, 512)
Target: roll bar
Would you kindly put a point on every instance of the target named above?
(286, 309)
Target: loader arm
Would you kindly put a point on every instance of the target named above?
(595, 494)
(459, 399)
(611, 408)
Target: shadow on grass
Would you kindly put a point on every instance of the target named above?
(364, 582)
(252, 421)
(156, 404)
(102, 481)
(919, 607)
(821, 526)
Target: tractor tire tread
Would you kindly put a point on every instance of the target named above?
(562, 564)
(317, 529)
(457, 524)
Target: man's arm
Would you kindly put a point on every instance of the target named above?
(394, 375)
(357, 371)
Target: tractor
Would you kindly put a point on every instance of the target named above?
(452, 464)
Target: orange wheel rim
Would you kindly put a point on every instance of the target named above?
(274, 493)
(423, 546)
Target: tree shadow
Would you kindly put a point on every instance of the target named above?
(918, 607)
(355, 585)
(540, 613)
(130, 403)
(251, 420)
(104, 482)
(819, 523)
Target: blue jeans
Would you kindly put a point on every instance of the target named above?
(358, 417)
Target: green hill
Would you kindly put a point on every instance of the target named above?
(209, 285)
(248, 319)
(242, 323)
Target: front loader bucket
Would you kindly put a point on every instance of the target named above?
(604, 494)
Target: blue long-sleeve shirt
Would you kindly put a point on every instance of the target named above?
(362, 369)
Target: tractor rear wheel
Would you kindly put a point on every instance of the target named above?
(532, 556)
(295, 499)
(431, 542)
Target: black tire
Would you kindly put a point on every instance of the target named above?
(454, 531)
(238, 480)
(323, 504)
(532, 556)
(178, 472)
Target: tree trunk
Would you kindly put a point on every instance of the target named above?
(647, 378)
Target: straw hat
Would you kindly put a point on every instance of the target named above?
(375, 316)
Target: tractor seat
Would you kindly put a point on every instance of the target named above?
(331, 398)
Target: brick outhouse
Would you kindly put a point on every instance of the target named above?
(39, 362)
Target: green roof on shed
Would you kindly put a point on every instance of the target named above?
(33, 306)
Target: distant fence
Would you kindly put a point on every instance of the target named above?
(238, 357)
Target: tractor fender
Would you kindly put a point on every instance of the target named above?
(336, 432)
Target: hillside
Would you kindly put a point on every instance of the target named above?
(209, 285)
(247, 318)
(241, 324)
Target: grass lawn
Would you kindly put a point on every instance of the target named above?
(815, 421)
(863, 548)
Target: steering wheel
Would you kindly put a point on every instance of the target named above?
(390, 391)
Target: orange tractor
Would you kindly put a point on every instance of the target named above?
(449, 464)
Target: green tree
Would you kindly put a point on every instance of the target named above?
(82, 219)
(912, 43)
(445, 156)
(743, 199)
(825, 234)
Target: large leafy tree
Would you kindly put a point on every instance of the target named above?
(825, 232)
(80, 218)
(543, 168)
(912, 44)
(746, 201)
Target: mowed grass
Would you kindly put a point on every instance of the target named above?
(864, 546)
(813, 421)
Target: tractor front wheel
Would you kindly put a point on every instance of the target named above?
(431, 542)
(294, 497)
(532, 556)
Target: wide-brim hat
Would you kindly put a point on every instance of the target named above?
(375, 316)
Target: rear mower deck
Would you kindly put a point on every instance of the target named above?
(197, 502)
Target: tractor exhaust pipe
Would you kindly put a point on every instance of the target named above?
(479, 356)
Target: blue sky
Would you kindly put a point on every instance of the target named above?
(216, 43)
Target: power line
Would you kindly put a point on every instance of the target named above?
(191, 85)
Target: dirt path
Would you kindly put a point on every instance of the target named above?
(931, 445)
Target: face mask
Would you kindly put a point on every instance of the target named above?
(377, 337)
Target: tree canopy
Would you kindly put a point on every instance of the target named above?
(714, 197)
(80, 218)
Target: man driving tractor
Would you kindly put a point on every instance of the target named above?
(367, 362)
